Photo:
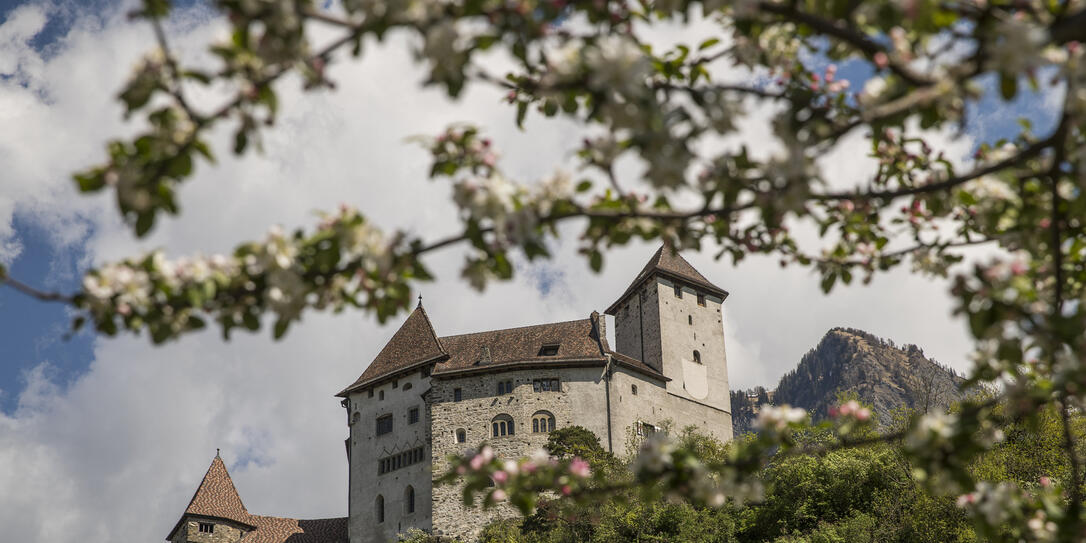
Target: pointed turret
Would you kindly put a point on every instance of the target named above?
(413, 344)
(670, 264)
(216, 499)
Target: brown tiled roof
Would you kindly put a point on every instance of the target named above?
(288, 530)
(577, 344)
(636, 365)
(671, 264)
(576, 341)
(415, 342)
(217, 497)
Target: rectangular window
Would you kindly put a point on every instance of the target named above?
(426, 371)
(371, 393)
(546, 385)
(458, 394)
(384, 424)
(207, 528)
(395, 383)
(548, 350)
(678, 291)
(401, 460)
(701, 299)
(413, 415)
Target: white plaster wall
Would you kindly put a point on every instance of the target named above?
(367, 448)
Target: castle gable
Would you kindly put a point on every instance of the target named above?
(217, 497)
(414, 343)
(668, 263)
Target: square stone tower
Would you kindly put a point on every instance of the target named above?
(671, 317)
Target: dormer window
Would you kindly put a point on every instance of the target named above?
(548, 350)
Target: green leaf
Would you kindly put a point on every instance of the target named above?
(584, 186)
(90, 182)
(144, 222)
(1008, 86)
(281, 326)
(595, 261)
(241, 141)
(708, 43)
(522, 111)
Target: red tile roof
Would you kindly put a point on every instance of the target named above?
(576, 341)
(217, 498)
(414, 343)
(668, 263)
(288, 530)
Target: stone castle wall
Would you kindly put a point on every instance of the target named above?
(580, 402)
(699, 391)
(225, 532)
(367, 448)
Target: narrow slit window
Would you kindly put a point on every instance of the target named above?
(461, 436)
(458, 394)
(678, 291)
(697, 357)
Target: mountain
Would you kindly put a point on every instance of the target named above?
(881, 374)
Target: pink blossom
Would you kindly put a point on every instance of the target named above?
(498, 495)
(566, 490)
(477, 462)
(500, 477)
(1045, 222)
(881, 60)
(1046, 482)
(580, 468)
(487, 453)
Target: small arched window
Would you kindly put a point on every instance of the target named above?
(409, 499)
(379, 507)
(407, 386)
(461, 436)
(502, 425)
(542, 422)
(697, 357)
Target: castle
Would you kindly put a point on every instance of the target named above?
(425, 397)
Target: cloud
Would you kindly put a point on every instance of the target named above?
(116, 454)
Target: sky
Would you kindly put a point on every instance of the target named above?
(107, 438)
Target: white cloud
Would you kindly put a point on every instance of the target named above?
(117, 454)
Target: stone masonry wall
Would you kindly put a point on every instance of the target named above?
(698, 392)
(637, 332)
(581, 401)
(367, 448)
(225, 532)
